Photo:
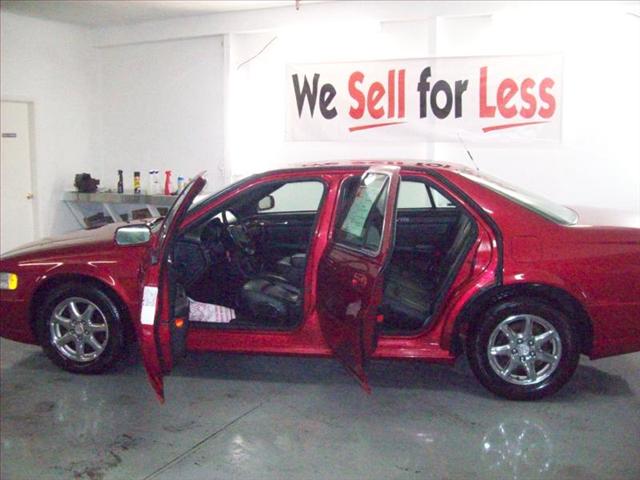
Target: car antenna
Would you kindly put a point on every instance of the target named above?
(468, 152)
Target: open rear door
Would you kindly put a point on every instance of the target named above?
(164, 317)
(350, 273)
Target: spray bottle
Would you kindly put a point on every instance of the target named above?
(167, 182)
(136, 182)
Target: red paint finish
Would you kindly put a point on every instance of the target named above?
(156, 340)
(350, 285)
(598, 267)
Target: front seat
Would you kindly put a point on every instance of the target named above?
(292, 268)
(272, 300)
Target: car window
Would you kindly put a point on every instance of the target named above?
(362, 225)
(439, 200)
(413, 195)
(546, 208)
(297, 197)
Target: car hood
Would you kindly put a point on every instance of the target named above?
(101, 236)
(606, 217)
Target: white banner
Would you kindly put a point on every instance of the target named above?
(479, 99)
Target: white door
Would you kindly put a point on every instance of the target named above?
(16, 202)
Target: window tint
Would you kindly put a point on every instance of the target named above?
(362, 225)
(417, 195)
(439, 200)
(413, 195)
(541, 206)
(297, 197)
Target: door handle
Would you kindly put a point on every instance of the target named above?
(29, 196)
(359, 280)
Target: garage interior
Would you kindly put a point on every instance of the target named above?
(100, 87)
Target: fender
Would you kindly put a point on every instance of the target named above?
(125, 287)
(556, 294)
(543, 277)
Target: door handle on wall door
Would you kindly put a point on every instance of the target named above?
(29, 196)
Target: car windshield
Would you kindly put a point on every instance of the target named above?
(206, 198)
(548, 209)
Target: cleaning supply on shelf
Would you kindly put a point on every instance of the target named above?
(120, 182)
(136, 182)
(156, 182)
(150, 183)
(167, 182)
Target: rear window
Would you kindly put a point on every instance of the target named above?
(546, 208)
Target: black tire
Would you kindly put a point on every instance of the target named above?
(114, 343)
(478, 349)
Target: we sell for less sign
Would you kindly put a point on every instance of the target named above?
(478, 99)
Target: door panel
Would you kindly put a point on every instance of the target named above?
(164, 316)
(350, 276)
(285, 234)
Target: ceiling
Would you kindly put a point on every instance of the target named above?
(104, 13)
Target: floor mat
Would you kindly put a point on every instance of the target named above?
(210, 313)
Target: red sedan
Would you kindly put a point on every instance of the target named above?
(360, 260)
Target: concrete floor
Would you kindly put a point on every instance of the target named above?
(232, 416)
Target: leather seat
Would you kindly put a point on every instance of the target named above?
(292, 268)
(272, 299)
(410, 292)
(407, 297)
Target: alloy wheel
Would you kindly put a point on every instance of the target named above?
(524, 349)
(79, 329)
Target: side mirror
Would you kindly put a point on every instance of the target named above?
(133, 235)
(266, 203)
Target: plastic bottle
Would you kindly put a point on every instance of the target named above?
(120, 182)
(136, 182)
(180, 184)
(156, 182)
(167, 182)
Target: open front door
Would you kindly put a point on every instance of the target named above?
(350, 273)
(164, 317)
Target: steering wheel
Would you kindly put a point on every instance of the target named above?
(241, 238)
(211, 238)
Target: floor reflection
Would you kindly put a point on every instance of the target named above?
(518, 448)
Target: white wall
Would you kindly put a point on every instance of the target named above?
(598, 160)
(49, 64)
(161, 107)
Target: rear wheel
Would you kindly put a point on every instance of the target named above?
(80, 329)
(523, 349)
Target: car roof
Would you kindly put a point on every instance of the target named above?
(361, 164)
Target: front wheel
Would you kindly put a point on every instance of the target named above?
(523, 349)
(80, 329)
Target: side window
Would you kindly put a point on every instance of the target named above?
(413, 195)
(439, 200)
(294, 197)
(362, 225)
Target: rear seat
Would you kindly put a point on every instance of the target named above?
(410, 292)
